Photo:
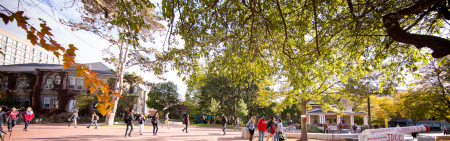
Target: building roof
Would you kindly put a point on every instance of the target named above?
(98, 67)
(319, 111)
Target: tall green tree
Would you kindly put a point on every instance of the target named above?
(415, 105)
(162, 95)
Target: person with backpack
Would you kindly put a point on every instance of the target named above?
(224, 124)
(279, 130)
(129, 119)
(155, 121)
(340, 126)
(74, 118)
(166, 120)
(251, 126)
(271, 128)
(27, 116)
(141, 122)
(236, 123)
(186, 122)
(12, 117)
(262, 128)
(94, 119)
(354, 128)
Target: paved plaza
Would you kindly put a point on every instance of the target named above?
(60, 132)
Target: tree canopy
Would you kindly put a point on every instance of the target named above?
(162, 95)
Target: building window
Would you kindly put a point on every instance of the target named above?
(27, 102)
(46, 102)
(72, 83)
(57, 82)
(28, 86)
(5, 85)
(7, 57)
(48, 85)
(80, 83)
(5, 39)
(55, 102)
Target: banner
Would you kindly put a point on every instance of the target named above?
(391, 134)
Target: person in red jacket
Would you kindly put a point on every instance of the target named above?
(186, 122)
(12, 117)
(27, 116)
(262, 128)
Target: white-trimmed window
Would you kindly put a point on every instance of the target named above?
(46, 102)
(55, 102)
(80, 83)
(48, 84)
(72, 83)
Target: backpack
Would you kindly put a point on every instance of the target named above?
(341, 125)
(96, 117)
(271, 128)
(153, 120)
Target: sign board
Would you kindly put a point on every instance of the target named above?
(391, 134)
(303, 116)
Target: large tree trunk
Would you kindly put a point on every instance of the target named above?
(304, 136)
(368, 112)
(118, 85)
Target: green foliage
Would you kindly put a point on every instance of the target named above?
(126, 102)
(415, 105)
(84, 102)
(315, 130)
(162, 95)
(214, 106)
(242, 109)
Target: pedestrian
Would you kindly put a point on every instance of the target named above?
(129, 119)
(271, 128)
(261, 128)
(444, 130)
(340, 126)
(155, 121)
(94, 119)
(279, 130)
(354, 128)
(236, 122)
(325, 127)
(27, 116)
(414, 135)
(166, 120)
(74, 118)
(186, 122)
(12, 117)
(251, 127)
(224, 124)
(141, 123)
(2, 118)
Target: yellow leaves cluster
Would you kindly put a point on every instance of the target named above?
(44, 36)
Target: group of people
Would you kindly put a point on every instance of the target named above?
(340, 126)
(10, 116)
(273, 127)
(129, 120)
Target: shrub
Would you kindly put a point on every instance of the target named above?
(315, 130)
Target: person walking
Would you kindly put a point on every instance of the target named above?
(141, 123)
(261, 128)
(444, 130)
(166, 120)
(354, 128)
(155, 121)
(129, 119)
(325, 127)
(12, 117)
(2, 118)
(251, 127)
(224, 124)
(27, 116)
(94, 119)
(186, 122)
(271, 128)
(340, 126)
(74, 118)
(279, 130)
(236, 122)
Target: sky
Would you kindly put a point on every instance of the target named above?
(89, 45)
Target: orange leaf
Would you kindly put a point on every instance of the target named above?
(87, 84)
(58, 46)
(92, 89)
(104, 90)
(45, 29)
(33, 39)
(22, 25)
(57, 54)
(80, 72)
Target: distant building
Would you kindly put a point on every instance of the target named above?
(46, 86)
(140, 107)
(20, 51)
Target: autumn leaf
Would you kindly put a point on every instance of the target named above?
(105, 98)
(5, 18)
(87, 84)
(45, 29)
(104, 90)
(92, 89)
(22, 25)
(101, 108)
(71, 50)
(79, 72)
(33, 39)
(57, 54)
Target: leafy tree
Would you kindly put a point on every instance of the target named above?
(162, 95)
(242, 109)
(381, 107)
(214, 107)
(126, 102)
(415, 104)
